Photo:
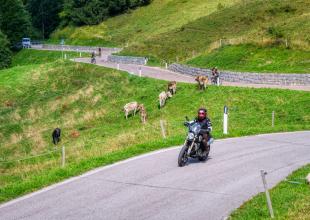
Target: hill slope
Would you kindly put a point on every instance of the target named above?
(86, 102)
(177, 31)
(262, 22)
(143, 23)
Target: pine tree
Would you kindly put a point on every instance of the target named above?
(44, 15)
(5, 53)
(15, 21)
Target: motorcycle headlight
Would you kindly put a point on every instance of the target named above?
(190, 136)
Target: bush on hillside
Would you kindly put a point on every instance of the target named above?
(5, 53)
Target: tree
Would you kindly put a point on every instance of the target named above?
(5, 53)
(91, 12)
(14, 20)
(45, 15)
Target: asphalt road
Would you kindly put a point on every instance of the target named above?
(152, 186)
(164, 74)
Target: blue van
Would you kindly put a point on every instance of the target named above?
(26, 42)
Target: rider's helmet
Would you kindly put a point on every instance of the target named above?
(202, 114)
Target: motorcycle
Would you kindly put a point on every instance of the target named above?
(93, 60)
(193, 146)
(215, 80)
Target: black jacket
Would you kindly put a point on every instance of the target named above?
(206, 125)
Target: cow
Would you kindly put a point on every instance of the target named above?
(130, 107)
(143, 113)
(202, 82)
(56, 135)
(172, 87)
(163, 96)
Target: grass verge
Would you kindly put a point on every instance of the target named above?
(290, 200)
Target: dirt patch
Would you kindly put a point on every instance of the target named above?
(75, 134)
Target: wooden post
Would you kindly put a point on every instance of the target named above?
(162, 126)
(272, 119)
(263, 174)
(63, 156)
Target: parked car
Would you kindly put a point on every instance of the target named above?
(26, 42)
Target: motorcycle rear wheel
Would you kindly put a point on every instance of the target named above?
(183, 158)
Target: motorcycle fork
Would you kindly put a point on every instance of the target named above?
(190, 148)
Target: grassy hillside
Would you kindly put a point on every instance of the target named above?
(290, 200)
(85, 101)
(254, 58)
(180, 30)
(263, 22)
(143, 23)
(31, 57)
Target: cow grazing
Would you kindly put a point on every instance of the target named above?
(163, 96)
(172, 87)
(143, 113)
(56, 136)
(130, 107)
(202, 82)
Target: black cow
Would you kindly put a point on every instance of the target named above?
(56, 136)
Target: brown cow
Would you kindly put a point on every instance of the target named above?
(172, 87)
(143, 113)
(202, 82)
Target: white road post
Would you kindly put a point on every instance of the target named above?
(118, 66)
(63, 156)
(218, 81)
(264, 173)
(225, 120)
(140, 71)
(162, 126)
(65, 56)
(166, 65)
(272, 119)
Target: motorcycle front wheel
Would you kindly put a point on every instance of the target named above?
(183, 158)
(205, 157)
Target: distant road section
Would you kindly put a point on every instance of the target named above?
(152, 186)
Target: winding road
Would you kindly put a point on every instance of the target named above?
(152, 186)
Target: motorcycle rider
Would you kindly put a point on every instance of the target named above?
(206, 127)
(93, 57)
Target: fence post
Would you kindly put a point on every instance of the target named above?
(162, 126)
(63, 156)
(272, 119)
(140, 71)
(225, 120)
(263, 174)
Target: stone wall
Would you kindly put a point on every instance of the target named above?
(127, 60)
(245, 77)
